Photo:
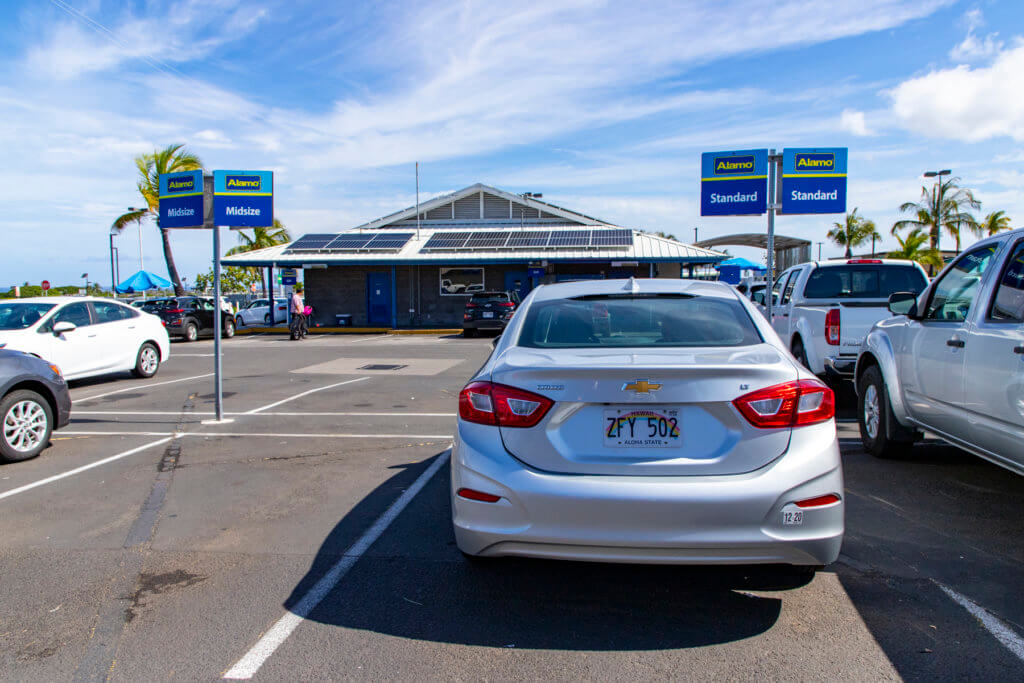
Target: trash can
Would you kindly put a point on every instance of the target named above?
(343, 319)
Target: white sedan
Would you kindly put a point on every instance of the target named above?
(85, 336)
(257, 312)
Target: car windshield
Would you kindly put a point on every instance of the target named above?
(655, 320)
(863, 282)
(19, 316)
(489, 297)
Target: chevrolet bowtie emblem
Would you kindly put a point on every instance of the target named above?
(641, 386)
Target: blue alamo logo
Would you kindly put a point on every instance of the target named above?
(242, 183)
(734, 165)
(817, 161)
(181, 184)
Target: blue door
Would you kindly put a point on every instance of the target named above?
(378, 299)
(518, 276)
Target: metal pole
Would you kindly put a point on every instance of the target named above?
(417, 201)
(217, 390)
(773, 159)
(695, 240)
(113, 277)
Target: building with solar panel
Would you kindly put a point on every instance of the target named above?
(398, 271)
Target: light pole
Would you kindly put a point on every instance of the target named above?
(85, 276)
(935, 201)
(115, 271)
(695, 240)
(819, 250)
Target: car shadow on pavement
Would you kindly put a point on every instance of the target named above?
(414, 583)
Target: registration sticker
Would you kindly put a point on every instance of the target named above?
(792, 517)
(647, 427)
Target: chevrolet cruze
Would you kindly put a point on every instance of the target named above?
(654, 421)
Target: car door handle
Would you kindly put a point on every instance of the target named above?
(1019, 349)
(956, 343)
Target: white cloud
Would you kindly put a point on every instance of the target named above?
(974, 48)
(853, 121)
(964, 103)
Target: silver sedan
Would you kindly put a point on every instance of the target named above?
(653, 421)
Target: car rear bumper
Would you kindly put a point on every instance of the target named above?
(733, 519)
(495, 324)
(840, 366)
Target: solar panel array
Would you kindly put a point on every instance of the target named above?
(539, 239)
(347, 242)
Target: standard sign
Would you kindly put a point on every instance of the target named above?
(181, 199)
(734, 183)
(243, 198)
(814, 180)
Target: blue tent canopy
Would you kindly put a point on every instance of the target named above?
(141, 282)
(741, 263)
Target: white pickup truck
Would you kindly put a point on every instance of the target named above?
(823, 309)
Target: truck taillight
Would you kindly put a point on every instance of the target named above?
(832, 327)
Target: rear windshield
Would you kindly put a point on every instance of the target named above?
(21, 316)
(161, 303)
(863, 282)
(637, 321)
(484, 297)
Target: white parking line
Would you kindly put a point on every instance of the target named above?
(305, 393)
(83, 468)
(993, 624)
(250, 663)
(137, 387)
(288, 435)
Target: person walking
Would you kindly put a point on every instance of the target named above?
(297, 310)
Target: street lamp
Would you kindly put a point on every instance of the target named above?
(85, 276)
(935, 200)
(115, 261)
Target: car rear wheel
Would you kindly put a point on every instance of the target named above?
(266, 319)
(27, 425)
(229, 328)
(191, 331)
(880, 434)
(147, 362)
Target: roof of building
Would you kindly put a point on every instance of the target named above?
(478, 224)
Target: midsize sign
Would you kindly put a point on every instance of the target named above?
(814, 180)
(734, 183)
(181, 199)
(243, 198)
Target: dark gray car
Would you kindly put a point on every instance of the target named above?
(34, 401)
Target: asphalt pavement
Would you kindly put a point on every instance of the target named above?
(308, 537)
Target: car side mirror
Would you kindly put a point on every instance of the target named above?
(64, 326)
(903, 303)
(494, 342)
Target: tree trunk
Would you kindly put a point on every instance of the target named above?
(849, 251)
(169, 260)
(263, 281)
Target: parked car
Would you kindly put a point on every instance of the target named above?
(190, 317)
(488, 311)
(953, 362)
(257, 312)
(34, 401)
(682, 431)
(85, 336)
(823, 309)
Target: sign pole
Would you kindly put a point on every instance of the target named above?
(773, 160)
(218, 314)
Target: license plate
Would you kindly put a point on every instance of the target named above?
(647, 427)
(488, 314)
(792, 517)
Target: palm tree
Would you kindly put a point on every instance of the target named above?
(944, 206)
(170, 159)
(853, 231)
(261, 239)
(997, 221)
(913, 248)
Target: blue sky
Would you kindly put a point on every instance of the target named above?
(604, 107)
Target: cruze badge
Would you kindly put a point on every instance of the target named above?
(641, 386)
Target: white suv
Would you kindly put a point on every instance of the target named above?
(954, 363)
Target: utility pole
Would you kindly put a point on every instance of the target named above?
(819, 250)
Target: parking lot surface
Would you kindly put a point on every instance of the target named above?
(309, 537)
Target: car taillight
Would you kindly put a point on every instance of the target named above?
(820, 501)
(864, 260)
(506, 304)
(496, 404)
(467, 316)
(176, 311)
(832, 327)
(470, 305)
(792, 404)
